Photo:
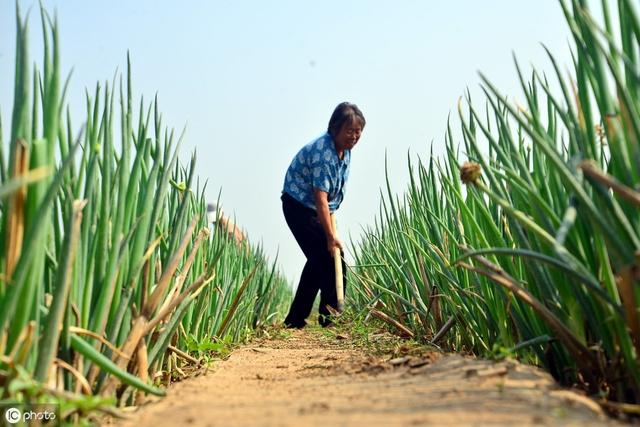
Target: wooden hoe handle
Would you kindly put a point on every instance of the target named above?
(337, 261)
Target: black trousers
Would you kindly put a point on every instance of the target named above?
(318, 273)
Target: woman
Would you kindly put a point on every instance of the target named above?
(313, 189)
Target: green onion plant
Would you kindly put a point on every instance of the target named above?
(538, 254)
(109, 271)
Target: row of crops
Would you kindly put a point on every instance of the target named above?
(539, 254)
(110, 276)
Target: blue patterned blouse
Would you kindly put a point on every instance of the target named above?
(317, 166)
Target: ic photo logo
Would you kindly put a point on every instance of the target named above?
(36, 414)
(13, 415)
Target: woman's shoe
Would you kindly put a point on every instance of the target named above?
(295, 325)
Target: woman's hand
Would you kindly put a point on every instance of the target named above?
(332, 243)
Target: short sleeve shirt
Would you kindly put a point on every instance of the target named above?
(317, 166)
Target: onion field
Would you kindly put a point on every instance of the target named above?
(524, 239)
(111, 280)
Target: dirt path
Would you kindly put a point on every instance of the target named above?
(309, 379)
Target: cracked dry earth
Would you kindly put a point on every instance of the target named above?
(308, 379)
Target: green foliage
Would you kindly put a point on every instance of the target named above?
(104, 235)
(209, 347)
(535, 256)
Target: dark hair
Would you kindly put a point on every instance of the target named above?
(345, 112)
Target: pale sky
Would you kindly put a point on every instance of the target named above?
(256, 80)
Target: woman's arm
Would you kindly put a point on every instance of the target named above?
(322, 207)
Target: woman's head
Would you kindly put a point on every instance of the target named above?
(345, 113)
(346, 125)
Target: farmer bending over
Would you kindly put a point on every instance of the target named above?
(217, 218)
(314, 188)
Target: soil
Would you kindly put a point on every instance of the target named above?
(315, 378)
